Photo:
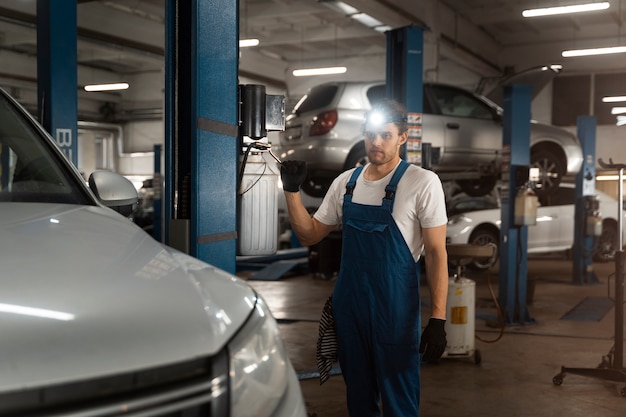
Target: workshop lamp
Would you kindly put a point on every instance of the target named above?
(106, 87)
(305, 72)
(245, 43)
(593, 51)
(574, 8)
(613, 99)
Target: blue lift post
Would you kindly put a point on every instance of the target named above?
(405, 67)
(201, 128)
(57, 97)
(514, 239)
(585, 187)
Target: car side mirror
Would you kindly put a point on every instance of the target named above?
(114, 191)
(497, 115)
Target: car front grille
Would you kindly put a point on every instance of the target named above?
(197, 388)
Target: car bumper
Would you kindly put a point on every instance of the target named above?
(328, 155)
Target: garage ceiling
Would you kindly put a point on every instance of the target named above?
(465, 39)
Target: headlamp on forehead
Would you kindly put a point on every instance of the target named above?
(379, 118)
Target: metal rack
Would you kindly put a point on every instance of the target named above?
(612, 366)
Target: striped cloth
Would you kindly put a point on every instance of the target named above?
(326, 352)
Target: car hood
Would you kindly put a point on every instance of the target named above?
(85, 293)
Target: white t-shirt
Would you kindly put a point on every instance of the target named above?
(419, 202)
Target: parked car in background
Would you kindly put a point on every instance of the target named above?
(464, 129)
(554, 231)
(98, 318)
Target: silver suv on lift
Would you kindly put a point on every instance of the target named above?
(465, 131)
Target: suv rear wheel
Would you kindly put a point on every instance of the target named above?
(356, 157)
(551, 167)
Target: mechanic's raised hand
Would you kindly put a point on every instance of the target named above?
(434, 341)
(292, 174)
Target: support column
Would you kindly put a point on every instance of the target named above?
(585, 187)
(201, 128)
(514, 239)
(405, 84)
(57, 73)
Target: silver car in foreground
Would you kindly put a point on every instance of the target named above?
(554, 231)
(464, 129)
(99, 319)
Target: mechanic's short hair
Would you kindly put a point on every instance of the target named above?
(392, 111)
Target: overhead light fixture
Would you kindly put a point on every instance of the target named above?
(356, 14)
(594, 51)
(618, 110)
(366, 20)
(621, 121)
(305, 72)
(245, 43)
(107, 87)
(574, 8)
(613, 99)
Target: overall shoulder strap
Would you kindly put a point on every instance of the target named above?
(351, 184)
(390, 189)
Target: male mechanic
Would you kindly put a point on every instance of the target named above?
(390, 211)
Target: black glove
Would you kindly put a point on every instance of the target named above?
(434, 341)
(292, 174)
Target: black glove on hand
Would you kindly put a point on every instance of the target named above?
(292, 174)
(434, 341)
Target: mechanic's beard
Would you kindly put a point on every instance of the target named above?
(378, 157)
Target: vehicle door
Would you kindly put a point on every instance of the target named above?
(472, 130)
(555, 222)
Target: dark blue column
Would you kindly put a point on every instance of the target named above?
(201, 141)
(57, 73)
(585, 188)
(405, 84)
(514, 239)
(405, 66)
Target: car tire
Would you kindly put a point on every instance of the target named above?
(479, 187)
(356, 157)
(551, 167)
(485, 235)
(607, 243)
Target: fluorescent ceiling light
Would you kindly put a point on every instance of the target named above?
(618, 110)
(621, 121)
(106, 87)
(383, 28)
(319, 71)
(366, 20)
(357, 15)
(613, 99)
(594, 51)
(574, 8)
(244, 43)
(341, 7)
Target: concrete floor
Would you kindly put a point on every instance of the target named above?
(518, 363)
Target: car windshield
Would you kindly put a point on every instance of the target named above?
(31, 170)
(468, 204)
(319, 97)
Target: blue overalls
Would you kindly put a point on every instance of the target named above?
(376, 308)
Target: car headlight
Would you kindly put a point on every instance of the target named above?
(258, 365)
